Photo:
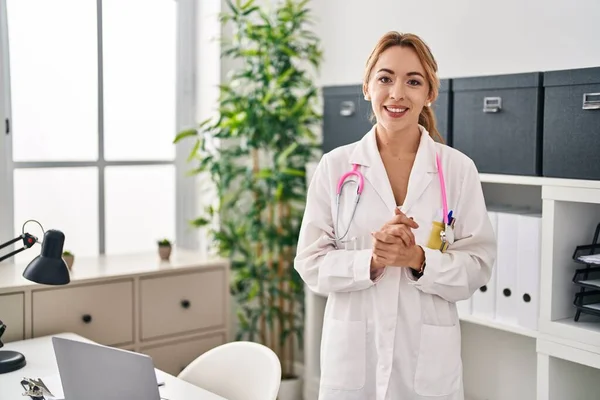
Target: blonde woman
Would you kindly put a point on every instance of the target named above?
(395, 232)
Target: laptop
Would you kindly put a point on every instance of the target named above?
(96, 372)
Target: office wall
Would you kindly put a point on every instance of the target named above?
(467, 37)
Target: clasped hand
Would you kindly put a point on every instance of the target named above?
(394, 244)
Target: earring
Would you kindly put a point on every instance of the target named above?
(367, 98)
(429, 104)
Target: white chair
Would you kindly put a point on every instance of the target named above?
(237, 371)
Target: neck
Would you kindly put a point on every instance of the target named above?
(398, 144)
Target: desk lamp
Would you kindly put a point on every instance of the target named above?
(48, 268)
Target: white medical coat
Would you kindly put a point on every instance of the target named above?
(398, 337)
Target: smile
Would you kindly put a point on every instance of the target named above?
(395, 112)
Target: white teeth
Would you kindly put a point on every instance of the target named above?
(396, 110)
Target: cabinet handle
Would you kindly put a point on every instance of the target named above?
(492, 104)
(591, 101)
(87, 318)
(506, 292)
(483, 288)
(185, 303)
(526, 298)
(347, 108)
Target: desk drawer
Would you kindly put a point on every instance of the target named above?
(182, 303)
(102, 313)
(12, 313)
(174, 357)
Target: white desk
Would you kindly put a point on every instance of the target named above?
(41, 362)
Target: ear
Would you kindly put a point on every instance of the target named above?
(366, 92)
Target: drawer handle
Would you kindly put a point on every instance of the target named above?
(492, 104)
(591, 101)
(87, 318)
(347, 108)
(185, 303)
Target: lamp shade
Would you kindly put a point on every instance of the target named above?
(49, 268)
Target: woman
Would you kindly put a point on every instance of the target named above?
(392, 266)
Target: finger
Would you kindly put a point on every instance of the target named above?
(403, 232)
(403, 219)
(383, 247)
(384, 237)
(406, 234)
(407, 238)
(380, 258)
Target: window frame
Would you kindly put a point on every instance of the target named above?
(185, 194)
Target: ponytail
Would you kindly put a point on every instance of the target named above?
(427, 119)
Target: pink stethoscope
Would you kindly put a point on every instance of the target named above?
(359, 190)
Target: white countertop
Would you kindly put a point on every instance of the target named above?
(110, 266)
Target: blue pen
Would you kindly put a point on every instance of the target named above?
(450, 217)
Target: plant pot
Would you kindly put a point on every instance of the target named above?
(164, 252)
(69, 260)
(290, 389)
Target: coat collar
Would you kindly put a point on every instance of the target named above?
(366, 154)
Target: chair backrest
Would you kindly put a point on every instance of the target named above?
(237, 371)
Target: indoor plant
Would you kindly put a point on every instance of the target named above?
(164, 249)
(69, 258)
(255, 152)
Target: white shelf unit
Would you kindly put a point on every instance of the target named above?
(560, 360)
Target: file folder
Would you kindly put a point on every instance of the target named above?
(484, 299)
(528, 269)
(506, 261)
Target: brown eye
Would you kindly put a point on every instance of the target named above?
(384, 79)
(414, 82)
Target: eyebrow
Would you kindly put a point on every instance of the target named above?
(389, 71)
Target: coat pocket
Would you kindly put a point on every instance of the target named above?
(439, 365)
(343, 354)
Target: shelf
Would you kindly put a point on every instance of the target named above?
(519, 330)
(573, 194)
(568, 353)
(584, 334)
(538, 181)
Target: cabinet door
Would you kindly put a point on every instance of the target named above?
(182, 303)
(174, 357)
(12, 314)
(102, 313)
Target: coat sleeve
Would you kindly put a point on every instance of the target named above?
(324, 268)
(467, 263)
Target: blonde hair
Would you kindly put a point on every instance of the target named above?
(393, 38)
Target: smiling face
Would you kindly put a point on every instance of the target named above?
(398, 89)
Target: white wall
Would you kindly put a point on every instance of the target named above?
(6, 180)
(467, 37)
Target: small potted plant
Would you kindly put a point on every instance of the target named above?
(69, 258)
(164, 249)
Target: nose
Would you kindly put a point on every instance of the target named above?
(397, 91)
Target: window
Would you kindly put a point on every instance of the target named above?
(90, 89)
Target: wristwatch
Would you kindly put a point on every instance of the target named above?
(419, 273)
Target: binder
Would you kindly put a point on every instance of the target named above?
(484, 299)
(528, 269)
(506, 274)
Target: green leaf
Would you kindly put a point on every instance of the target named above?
(194, 150)
(282, 158)
(199, 222)
(184, 134)
(294, 172)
